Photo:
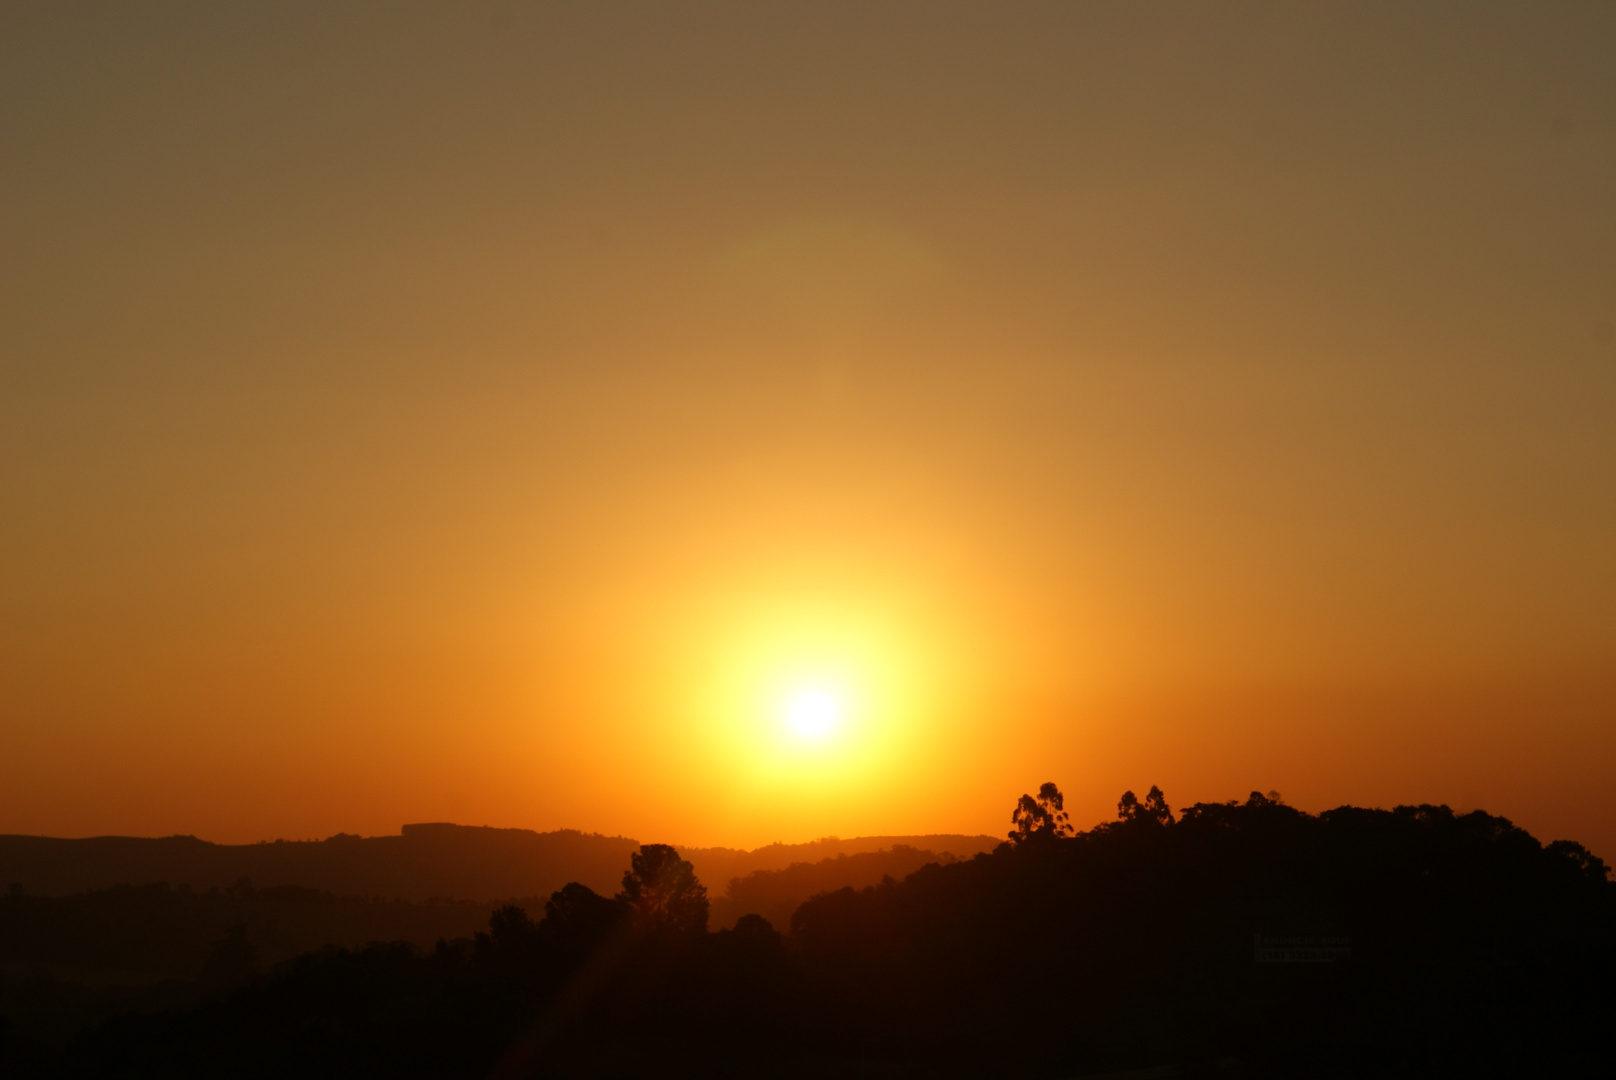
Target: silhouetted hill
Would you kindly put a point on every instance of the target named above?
(1239, 940)
(718, 866)
(1355, 942)
(425, 861)
(776, 894)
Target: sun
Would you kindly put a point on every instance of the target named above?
(813, 713)
(807, 701)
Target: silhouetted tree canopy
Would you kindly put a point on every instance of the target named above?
(1153, 810)
(510, 925)
(662, 894)
(756, 928)
(1043, 816)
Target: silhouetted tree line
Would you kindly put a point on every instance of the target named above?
(775, 894)
(1243, 938)
(424, 861)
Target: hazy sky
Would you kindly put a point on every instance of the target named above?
(498, 413)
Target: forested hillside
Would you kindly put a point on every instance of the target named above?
(424, 862)
(1236, 939)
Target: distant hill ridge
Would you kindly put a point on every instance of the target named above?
(425, 861)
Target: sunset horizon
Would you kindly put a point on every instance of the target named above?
(718, 424)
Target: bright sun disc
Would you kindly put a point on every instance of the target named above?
(813, 713)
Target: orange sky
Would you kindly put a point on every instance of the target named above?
(496, 414)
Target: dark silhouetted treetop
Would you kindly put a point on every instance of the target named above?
(510, 924)
(756, 927)
(1579, 858)
(1153, 810)
(511, 941)
(1043, 817)
(577, 911)
(578, 920)
(662, 894)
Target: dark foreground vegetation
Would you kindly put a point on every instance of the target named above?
(1241, 939)
(165, 932)
(70, 962)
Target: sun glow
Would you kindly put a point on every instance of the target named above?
(804, 699)
(814, 713)
(800, 710)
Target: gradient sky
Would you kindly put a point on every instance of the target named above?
(496, 413)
